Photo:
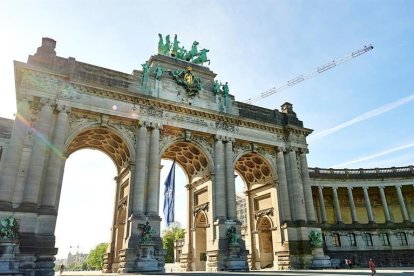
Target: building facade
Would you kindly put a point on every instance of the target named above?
(366, 213)
(363, 213)
(173, 108)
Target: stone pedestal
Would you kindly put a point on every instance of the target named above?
(9, 264)
(236, 259)
(147, 261)
(320, 260)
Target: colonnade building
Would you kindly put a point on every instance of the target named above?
(176, 109)
(366, 213)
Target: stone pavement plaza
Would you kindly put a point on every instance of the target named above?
(326, 272)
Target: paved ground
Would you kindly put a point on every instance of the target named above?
(325, 272)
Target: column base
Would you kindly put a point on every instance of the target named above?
(6, 206)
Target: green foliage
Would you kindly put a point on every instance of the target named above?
(169, 235)
(95, 257)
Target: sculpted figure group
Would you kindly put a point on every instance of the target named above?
(173, 49)
(9, 229)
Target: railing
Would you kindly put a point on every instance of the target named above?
(407, 171)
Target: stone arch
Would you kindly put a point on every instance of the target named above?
(261, 223)
(106, 139)
(190, 155)
(201, 220)
(254, 168)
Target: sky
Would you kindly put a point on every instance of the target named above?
(360, 111)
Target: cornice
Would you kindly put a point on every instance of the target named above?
(167, 105)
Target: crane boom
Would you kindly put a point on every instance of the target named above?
(311, 74)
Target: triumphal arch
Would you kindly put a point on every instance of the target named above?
(174, 108)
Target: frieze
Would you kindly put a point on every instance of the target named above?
(190, 120)
(68, 91)
(297, 138)
(151, 111)
(279, 137)
(40, 81)
(226, 126)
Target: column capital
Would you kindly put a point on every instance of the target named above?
(381, 187)
(350, 188)
(219, 138)
(281, 149)
(321, 187)
(334, 188)
(398, 186)
(292, 148)
(229, 139)
(365, 188)
(44, 101)
(154, 125)
(141, 123)
(63, 108)
(303, 151)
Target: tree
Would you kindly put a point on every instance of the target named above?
(169, 236)
(95, 257)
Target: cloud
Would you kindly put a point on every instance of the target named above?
(372, 156)
(365, 116)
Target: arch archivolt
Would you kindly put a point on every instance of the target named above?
(265, 222)
(255, 169)
(201, 220)
(194, 157)
(107, 138)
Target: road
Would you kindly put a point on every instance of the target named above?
(325, 272)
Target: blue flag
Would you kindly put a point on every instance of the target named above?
(169, 192)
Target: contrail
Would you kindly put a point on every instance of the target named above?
(365, 116)
(375, 155)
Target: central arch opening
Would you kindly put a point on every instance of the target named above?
(193, 184)
(86, 205)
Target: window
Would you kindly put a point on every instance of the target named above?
(385, 239)
(336, 240)
(367, 237)
(352, 240)
(402, 238)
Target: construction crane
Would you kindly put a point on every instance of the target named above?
(311, 74)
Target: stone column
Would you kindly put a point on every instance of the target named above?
(153, 172)
(307, 189)
(56, 159)
(336, 205)
(140, 179)
(38, 157)
(284, 195)
(322, 204)
(385, 204)
(299, 207)
(219, 191)
(230, 182)
(352, 206)
(402, 204)
(11, 158)
(368, 205)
